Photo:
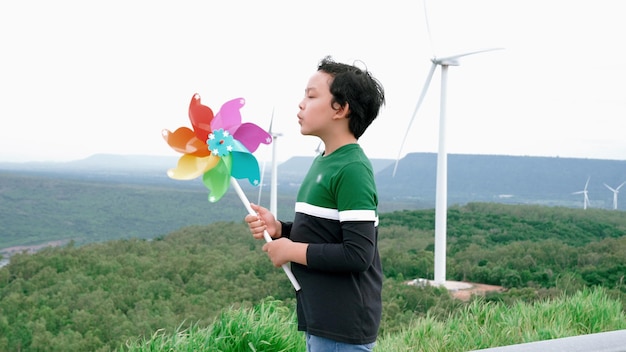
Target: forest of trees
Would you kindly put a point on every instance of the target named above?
(96, 296)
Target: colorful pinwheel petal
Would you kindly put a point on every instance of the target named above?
(219, 147)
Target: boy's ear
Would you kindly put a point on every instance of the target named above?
(343, 112)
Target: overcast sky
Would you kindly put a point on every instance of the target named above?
(85, 77)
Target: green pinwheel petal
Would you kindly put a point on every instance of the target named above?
(217, 179)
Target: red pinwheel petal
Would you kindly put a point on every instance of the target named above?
(184, 140)
(251, 135)
(201, 117)
(229, 116)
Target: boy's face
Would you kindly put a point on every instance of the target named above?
(316, 114)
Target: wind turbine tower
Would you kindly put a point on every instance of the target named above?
(615, 192)
(274, 178)
(274, 173)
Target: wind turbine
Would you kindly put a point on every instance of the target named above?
(615, 192)
(274, 178)
(442, 158)
(274, 174)
(585, 195)
(319, 149)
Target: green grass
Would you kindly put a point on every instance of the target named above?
(485, 325)
(268, 326)
(271, 326)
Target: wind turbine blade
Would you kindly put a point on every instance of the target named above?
(620, 186)
(417, 106)
(430, 38)
(587, 183)
(454, 60)
(271, 122)
(611, 188)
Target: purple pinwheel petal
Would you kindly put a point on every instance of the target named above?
(251, 136)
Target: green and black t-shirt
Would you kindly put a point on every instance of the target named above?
(336, 214)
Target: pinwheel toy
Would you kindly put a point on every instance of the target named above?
(219, 148)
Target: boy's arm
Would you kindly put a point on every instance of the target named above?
(354, 254)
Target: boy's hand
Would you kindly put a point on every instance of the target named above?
(264, 220)
(278, 251)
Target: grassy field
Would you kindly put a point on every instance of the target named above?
(271, 326)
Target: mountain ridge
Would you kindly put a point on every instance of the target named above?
(471, 177)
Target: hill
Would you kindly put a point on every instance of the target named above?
(110, 196)
(95, 297)
(507, 179)
(490, 178)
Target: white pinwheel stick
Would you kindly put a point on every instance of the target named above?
(266, 235)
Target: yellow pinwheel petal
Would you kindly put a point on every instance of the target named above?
(190, 166)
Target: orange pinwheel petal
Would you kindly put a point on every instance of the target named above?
(190, 166)
(184, 140)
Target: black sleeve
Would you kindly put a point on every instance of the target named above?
(354, 254)
(285, 229)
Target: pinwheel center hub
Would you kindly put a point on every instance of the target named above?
(220, 142)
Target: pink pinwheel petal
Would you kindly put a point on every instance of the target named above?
(251, 136)
(229, 116)
(184, 140)
(200, 117)
(190, 167)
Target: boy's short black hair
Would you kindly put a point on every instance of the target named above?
(358, 88)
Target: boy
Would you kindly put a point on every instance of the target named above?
(332, 241)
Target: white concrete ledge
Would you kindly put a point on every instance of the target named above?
(612, 341)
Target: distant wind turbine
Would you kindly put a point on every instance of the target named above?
(615, 192)
(585, 195)
(274, 182)
(274, 174)
(319, 149)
